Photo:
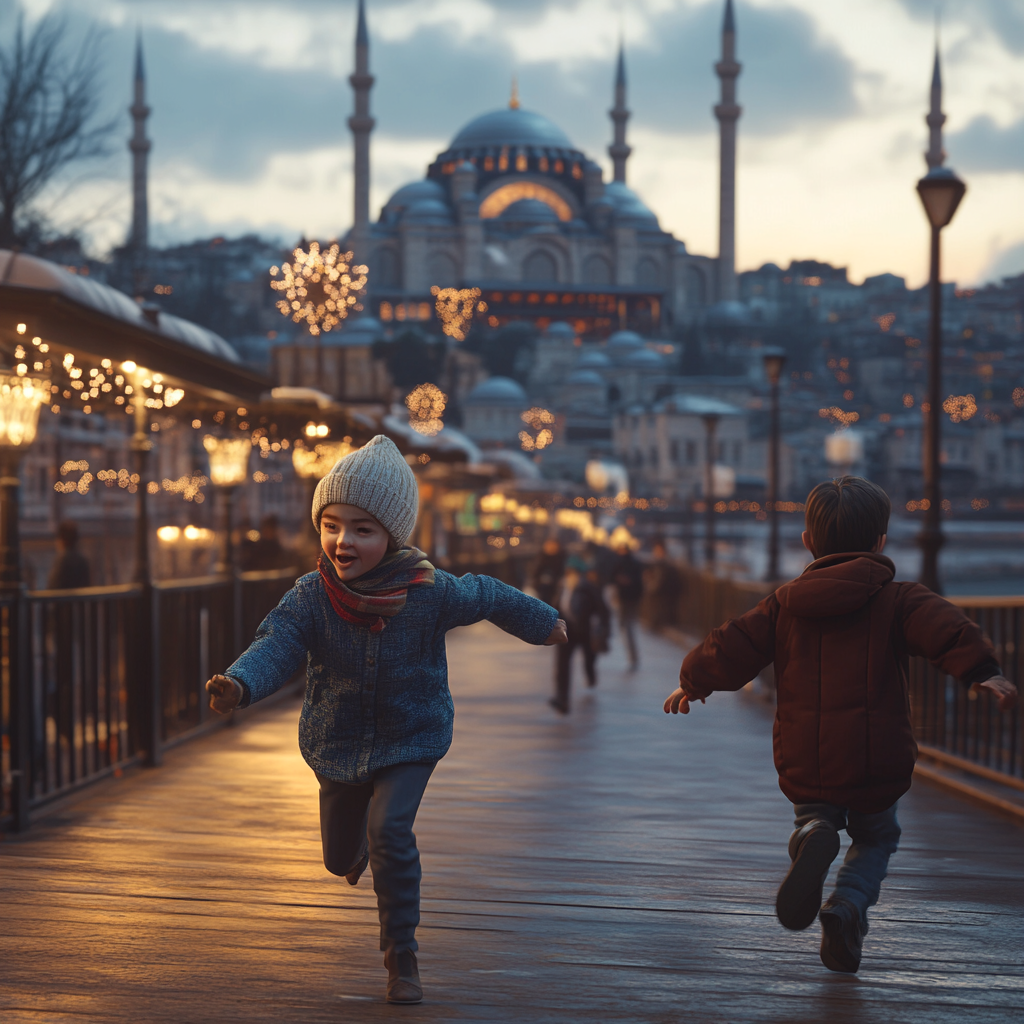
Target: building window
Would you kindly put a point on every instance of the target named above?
(654, 456)
(675, 451)
(540, 266)
(737, 453)
(691, 453)
(597, 270)
(696, 288)
(648, 274)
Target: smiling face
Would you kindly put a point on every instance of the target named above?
(353, 540)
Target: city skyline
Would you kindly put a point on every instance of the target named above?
(830, 142)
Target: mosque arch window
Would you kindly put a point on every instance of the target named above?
(597, 270)
(542, 164)
(648, 273)
(442, 270)
(389, 269)
(503, 160)
(696, 287)
(501, 198)
(521, 161)
(540, 266)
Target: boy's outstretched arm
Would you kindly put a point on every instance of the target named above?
(728, 658)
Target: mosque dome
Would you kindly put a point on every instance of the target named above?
(528, 212)
(629, 207)
(588, 378)
(622, 344)
(502, 391)
(560, 330)
(595, 359)
(409, 195)
(363, 331)
(427, 211)
(511, 126)
(644, 359)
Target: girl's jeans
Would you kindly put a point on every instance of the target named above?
(379, 813)
(875, 839)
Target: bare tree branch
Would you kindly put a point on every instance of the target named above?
(48, 113)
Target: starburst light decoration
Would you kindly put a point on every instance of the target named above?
(455, 308)
(960, 408)
(426, 406)
(539, 421)
(319, 287)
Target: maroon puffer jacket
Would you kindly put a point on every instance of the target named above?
(841, 635)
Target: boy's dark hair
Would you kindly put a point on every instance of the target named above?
(846, 514)
(67, 531)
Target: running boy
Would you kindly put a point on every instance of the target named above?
(370, 628)
(840, 636)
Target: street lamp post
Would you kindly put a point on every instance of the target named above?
(710, 426)
(229, 467)
(20, 399)
(774, 361)
(940, 191)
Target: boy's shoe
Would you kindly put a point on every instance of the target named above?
(356, 873)
(403, 977)
(812, 850)
(559, 705)
(842, 935)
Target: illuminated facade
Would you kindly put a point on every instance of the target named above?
(514, 209)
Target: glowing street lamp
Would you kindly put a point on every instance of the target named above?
(20, 399)
(229, 467)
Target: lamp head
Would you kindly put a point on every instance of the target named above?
(940, 191)
(774, 361)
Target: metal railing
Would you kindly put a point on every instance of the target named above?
(93, 680)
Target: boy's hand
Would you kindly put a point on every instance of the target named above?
(225, 693)
(557, 635)
(678, 703)
(1002, 689)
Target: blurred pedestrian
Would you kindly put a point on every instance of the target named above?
(267, 552)
(661, 589)
(627, 578)
(582, 607)
(71, 568)
(548, 571)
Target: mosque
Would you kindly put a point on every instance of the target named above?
(514, 209)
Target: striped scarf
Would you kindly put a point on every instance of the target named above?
(381, 592)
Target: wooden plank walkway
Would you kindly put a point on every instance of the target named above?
(619, 865)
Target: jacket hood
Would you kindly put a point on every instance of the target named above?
(836, 585)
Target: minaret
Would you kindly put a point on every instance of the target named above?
(728, 113)
(138, 237)
(935, 157)
(361, 124)
(618, 150)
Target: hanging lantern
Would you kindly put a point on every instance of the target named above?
(20, 399)
(229, 459)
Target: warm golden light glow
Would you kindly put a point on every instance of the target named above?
(313, 464)
(960, 408)
(426, 405)
(20, 399)
(229, 459)
(502, 198)
(455, 308)
(319, 287)
(539, 421)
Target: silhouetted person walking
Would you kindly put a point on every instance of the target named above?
(586, 616)
(71, 569)
(548, 571)
(627, 578)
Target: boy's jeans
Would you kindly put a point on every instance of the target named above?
(381, 812)
(875, 839)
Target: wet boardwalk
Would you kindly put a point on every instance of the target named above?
(616, 866)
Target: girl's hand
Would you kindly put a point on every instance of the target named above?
(557, 635)
(225, 693)
(678, 703)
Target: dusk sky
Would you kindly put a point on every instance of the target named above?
(250, 100)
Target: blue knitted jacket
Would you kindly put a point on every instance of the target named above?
(377, 699)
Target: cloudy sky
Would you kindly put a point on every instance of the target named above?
(250, 100)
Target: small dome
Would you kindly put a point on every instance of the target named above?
(588, 378)
(644, 359)
(498, 391)
(529, 211)
(629, 207)
(622, 343)
(427, 211)
(363, 331)
(561, 331)
(511, 127)
(409, 194)
(729, 313)
(595, 359)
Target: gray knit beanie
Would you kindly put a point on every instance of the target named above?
(376, 478)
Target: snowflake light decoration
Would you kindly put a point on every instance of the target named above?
(539, 421)
(455, 308)
(426, 406)
(320, 287)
